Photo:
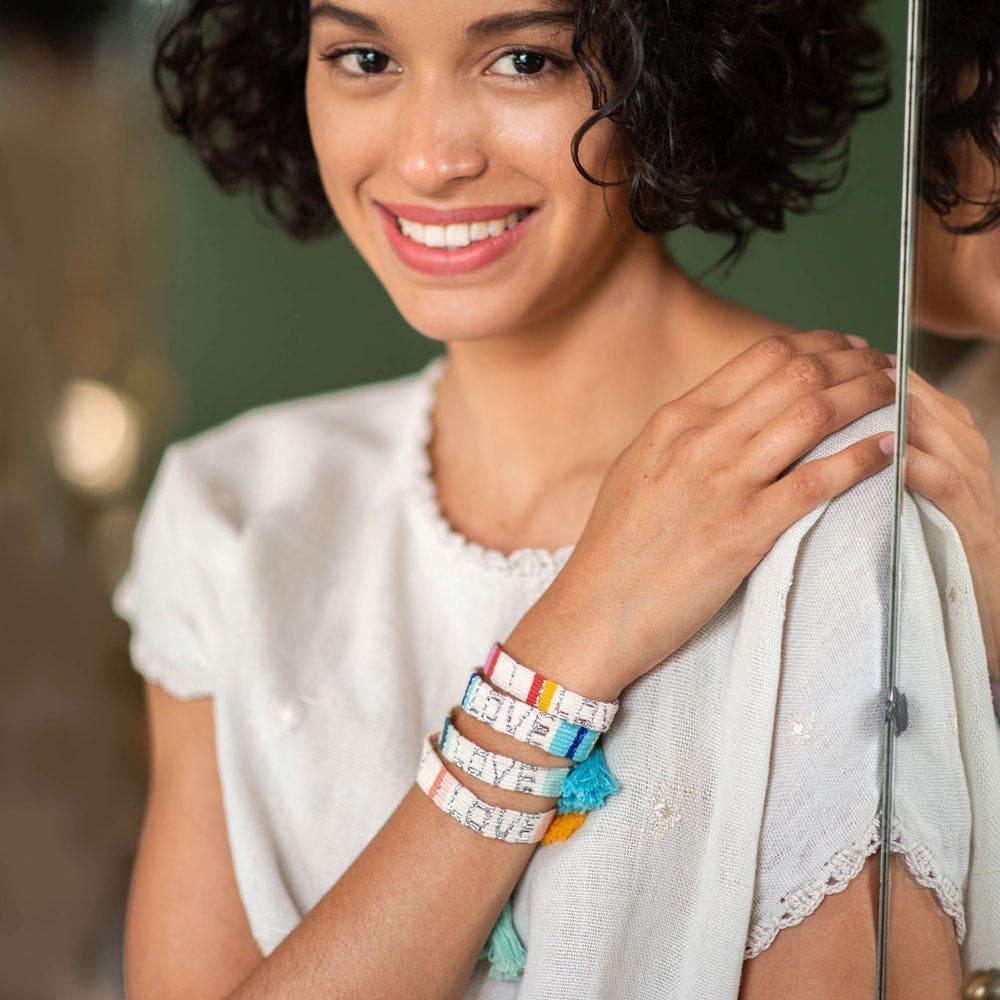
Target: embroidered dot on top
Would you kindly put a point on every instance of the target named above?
(666, 813)
(664, 807)
(802, 726)
(287, 715)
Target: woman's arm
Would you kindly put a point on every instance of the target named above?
(831, 954)
(186, 932)
(407, 919)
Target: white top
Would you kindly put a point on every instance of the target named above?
(294, 563)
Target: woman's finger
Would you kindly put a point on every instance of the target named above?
(740, 374)
(802, 490)
(792, 410)
(937, 479)
(930, 426)
(934, 395)
(936, 428)
(809, 419)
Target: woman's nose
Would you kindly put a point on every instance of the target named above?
(439, 138)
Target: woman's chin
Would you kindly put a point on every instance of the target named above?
(454, 321)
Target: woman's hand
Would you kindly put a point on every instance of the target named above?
(948, 461)
(695, 502)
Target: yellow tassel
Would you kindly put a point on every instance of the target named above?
(563, 827)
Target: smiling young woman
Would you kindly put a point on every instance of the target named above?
(649, 493)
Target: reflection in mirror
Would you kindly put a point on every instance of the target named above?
(948, 600)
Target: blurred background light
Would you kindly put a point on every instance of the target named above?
(95, 435)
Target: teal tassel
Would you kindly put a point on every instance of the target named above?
(504, 948)
(587, 785)
(585, 788)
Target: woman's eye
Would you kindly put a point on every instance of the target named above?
(361, 62)
(523, 63)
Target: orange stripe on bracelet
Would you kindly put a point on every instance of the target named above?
(432, 791)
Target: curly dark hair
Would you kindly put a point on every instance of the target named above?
(962, 36)
(731, 112)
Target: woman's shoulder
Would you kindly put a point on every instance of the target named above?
(268, 454)
(369, 415)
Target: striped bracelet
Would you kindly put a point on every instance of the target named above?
(498, 770)
(461, 803)
(505, 673)
(526, 723)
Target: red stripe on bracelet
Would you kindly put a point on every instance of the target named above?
(491, 660)
(536, 686)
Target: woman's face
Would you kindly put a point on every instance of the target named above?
(958, 277)
(466, 106)
(957, 286)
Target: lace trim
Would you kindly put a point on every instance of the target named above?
(527, 561)
(844, 866)
(920, 862)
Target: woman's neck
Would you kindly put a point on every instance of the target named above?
(526, 427)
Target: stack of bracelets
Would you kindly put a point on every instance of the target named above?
(515, 700)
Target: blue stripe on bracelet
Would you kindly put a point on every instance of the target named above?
(468, 687)
(566, 740)
(574, 742)
(575, 745)
(588, 738)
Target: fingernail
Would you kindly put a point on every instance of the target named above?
(856, 340)
(893, 374)
(892, 358)
(887, 443)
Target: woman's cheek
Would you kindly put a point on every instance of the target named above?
(346, 149)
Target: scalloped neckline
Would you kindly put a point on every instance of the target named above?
(528, 560)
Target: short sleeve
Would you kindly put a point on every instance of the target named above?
(822, 816)
(172, 592)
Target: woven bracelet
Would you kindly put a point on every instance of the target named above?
(497, 769)
(526, 723)
(452, 797)
(505, 673)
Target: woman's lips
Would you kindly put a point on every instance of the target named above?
(443, 261)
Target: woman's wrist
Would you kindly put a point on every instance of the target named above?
(562, 641)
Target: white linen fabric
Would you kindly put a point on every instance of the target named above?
(294, 564)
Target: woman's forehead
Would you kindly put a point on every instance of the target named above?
(471, 21)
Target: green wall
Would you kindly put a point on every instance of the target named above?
(249, 316)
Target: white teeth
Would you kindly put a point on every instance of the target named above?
(458, 234)
(434, 236)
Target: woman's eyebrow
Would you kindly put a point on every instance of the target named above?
(554, 14)
(327, 11)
